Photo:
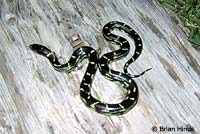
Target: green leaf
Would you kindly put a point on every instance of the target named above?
(194, 37)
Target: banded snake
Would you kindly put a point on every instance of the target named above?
(102, 63)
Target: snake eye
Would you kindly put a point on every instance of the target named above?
(39, 49)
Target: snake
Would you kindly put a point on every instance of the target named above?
(124, 79)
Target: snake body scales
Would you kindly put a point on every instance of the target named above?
(124, 79)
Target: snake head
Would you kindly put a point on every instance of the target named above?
(39, 49)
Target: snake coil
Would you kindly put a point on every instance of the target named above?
(125, 79)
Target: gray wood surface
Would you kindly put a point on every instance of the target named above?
(35, 99)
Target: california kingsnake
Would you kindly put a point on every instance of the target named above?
(125, 79)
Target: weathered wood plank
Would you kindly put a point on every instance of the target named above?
(36, 99)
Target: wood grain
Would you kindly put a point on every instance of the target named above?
(35, 99)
